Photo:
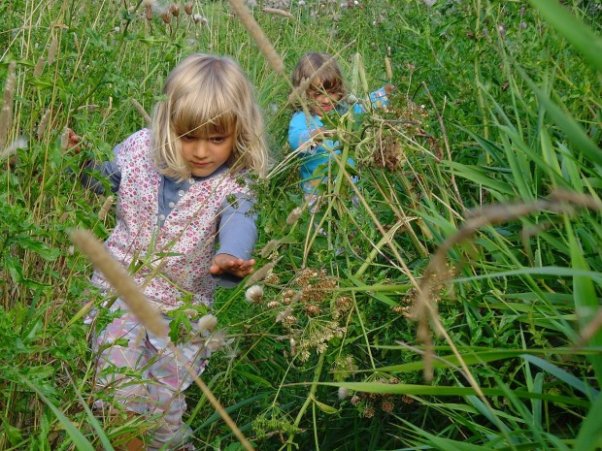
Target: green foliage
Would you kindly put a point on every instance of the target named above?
(496, 103)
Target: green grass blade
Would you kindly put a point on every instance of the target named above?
(590, 433)
(574, 132)
(574, 30)
(562, 375)
(80, 442)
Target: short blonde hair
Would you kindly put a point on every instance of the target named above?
(207, 94)
(318, 72)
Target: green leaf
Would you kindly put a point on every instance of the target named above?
(325, 407)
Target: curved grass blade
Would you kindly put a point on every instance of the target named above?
(590, 433)
(80, 442)
(574, 30)
(562, 375)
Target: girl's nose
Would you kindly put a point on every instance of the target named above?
(200, 150)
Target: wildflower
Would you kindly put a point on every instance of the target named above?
(254, 294)
(355, 400)
(217, 341)
(272, 279)
(198, 19)
(273, 304)
(387, 406)
(343, 393)
(207, 323)
(312, 310)
(368, 412)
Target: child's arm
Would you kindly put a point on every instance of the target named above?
(237, 236)
(303, 132)
(108, 170)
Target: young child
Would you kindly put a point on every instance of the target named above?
(322, 88)
(180, 185)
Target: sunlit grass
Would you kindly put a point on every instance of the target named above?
(494, 105)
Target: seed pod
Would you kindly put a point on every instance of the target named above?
(118, 277)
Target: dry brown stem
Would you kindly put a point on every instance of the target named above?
(264, 44)
(436, 273)
(119, 279)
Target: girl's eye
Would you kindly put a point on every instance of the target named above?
(187, 138)
(217, 139)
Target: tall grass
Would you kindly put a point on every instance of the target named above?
(496, 107)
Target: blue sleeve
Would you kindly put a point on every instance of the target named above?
(300, 129)
(237, 232)
(94, 172)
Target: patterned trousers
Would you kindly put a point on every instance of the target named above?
(146, 376)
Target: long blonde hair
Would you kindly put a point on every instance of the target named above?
(204, 95)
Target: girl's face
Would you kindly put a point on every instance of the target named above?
(322, 101)
(205, 155)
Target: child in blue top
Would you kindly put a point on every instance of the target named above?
(319, 83)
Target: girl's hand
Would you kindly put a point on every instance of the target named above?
(71, 141)
(226, 263)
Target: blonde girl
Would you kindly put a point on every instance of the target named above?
(182, 187)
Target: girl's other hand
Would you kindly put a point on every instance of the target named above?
(226, 263)
(71, 140)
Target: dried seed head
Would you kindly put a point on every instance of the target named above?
(43, 125)
(369, 411)
(260, 274)
(166, 17)
(199, 19)
(141, 110)
(257, 34)
(118, 277)
(312, 310)
(52, 50)
(387, 406)
(106, 206)
(39, 68)
(207, 323)
(273, 304)
(254, 294)
(216, 341)
(188, 8)
(278, 12)
(6, 114)
(294, 215)
(355, 400)
(148, 11)
(174, 9)
(343, 393)
(272, 279)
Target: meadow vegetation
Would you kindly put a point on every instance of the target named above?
(450, 299)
